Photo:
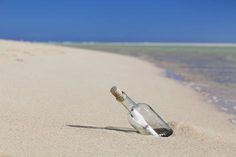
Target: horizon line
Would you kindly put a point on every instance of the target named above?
(149, 43)
(130, 43)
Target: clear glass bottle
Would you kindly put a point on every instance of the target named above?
(142, 117)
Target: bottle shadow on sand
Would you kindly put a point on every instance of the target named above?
(111, 128)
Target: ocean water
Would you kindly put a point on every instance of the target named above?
(210, 69)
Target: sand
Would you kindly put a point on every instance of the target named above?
(45, 88)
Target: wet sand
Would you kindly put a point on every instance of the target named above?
(55, 101)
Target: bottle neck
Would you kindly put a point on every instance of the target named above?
(123, 98)
(128, 103)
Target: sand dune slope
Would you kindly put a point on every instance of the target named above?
(44, 89)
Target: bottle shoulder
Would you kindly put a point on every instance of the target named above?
(143, 108)
(143, 105)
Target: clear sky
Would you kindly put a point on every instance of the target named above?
(119, 20)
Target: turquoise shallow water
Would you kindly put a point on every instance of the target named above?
(208, 69)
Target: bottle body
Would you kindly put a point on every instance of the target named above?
(152, 119)
(142, 117)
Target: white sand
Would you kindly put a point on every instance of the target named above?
(43, 88)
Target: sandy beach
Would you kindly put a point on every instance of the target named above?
(46, 89)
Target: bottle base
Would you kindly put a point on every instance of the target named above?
(163, 132)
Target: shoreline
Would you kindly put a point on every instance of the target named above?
(219, 102)
(206, 88)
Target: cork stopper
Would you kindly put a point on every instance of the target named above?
(117, 93)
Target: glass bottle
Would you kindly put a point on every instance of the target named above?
(142, 117)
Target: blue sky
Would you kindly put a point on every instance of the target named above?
(119, 20)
